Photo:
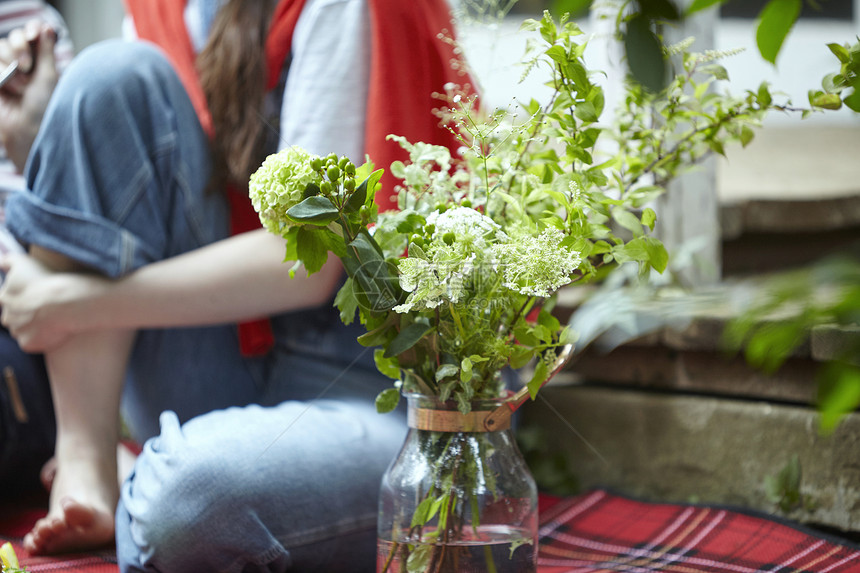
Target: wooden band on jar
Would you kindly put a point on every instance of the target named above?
(455, 421)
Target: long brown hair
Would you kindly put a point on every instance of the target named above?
(232, 68)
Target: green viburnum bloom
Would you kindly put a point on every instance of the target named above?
(279, 184)
(536, 266)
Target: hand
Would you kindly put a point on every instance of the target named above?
(25, 97)
(42, 308)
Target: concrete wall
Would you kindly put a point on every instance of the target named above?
(672, 447)
(92, 20)
(803, 61)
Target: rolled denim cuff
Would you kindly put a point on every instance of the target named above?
(93, 241)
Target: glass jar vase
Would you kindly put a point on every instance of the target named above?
(459, 496)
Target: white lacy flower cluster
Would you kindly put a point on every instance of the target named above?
(468, 225)
(279, 184)
(441, 271)
(467, 246)
(537, 266)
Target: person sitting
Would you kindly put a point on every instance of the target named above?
(263, 449)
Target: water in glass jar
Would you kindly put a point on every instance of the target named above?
(492, 549)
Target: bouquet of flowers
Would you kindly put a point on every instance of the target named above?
(458, 282)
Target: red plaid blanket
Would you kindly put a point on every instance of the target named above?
(604, 532)
(599, 531)
(17, 519)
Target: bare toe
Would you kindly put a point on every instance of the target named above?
(29, 544)
(79, 527)
(34, 542)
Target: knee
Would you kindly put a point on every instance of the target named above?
(115, 62)
(174, 503)
(115, 77)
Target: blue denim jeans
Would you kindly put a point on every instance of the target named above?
(266, 464)
(27, 425)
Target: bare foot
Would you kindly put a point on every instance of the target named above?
(81, 511)
(78, 527)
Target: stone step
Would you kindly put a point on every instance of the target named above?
(760, 252)
(829, 342)
(695, 372)
(675, 340)
(789, 198)
(668, 447)
(791, 179)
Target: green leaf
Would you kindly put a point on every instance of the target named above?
(763, 96)
(419, 559)
(658, 256)
(387, 400)
(548, 321)
(645, 54)
(346, 302)
(407, 338)
(853, 100)
(568, 336)
(463, 403)
(375, 282)
(698, 5)
(381, 333)
(772, 343)
(425, 511)
(548, 30)
(660, 10)
(649, 218)
(586, 112)
(290, 237)
(833, 83)
(412, 223)
(840, 52)
(446, 370)
(578, 74)
(572, 7)
(719, 72)
(746, 135)
(356, 199)
(784, 488)
(776, 21)
(316, 210)
(445, 390)
(465, 370)
(386, 366)
(312, 248)
(826, 101)
(311, 190)
(557, 54)
(716, 146)
(525, 335)
(365, 192)
(838, 393)
(520, 356)
(627, 220)
(540, 374)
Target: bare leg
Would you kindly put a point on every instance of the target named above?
(125, 463)
(86, 375)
